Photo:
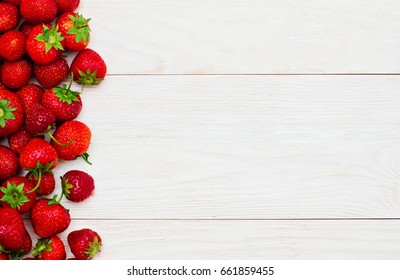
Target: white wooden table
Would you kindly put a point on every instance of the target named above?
(244, 129)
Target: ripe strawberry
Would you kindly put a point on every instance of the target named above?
(30, 95)
(49, 217)
(75, 30)
(9, 164)
(43, 44)
(49, 249)
(12, 229)
(38, 11)
(47, 183)
(76, 132)
(16, 74)
(39, 120)
(11, 113)
(9, 17)
(84, 243)
(77, 185)
(63, 102)
(18, 140)
(67, 5)
(37, 155)
(88, 68)
(51, 75)
(26, 28)
(12, 45)
(18, 193)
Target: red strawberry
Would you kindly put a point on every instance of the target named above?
(51, 75)
(39, 120)
(88, 68)
(67, 5)
(84, 243)
(26, 28)
(77, 185)
(76, 132)
(12, 45)
(38, 11)
(47, 183)
(18, 140)
(3, 254)
(9, 164)
(12, 229)
(18, 193)
(38, 154)
(30, 95)
(75, 30)
(16, 74)
(49, 217)
(43, 44)
(49, 249)
(65, 103)
(11, 113)
(9, 17)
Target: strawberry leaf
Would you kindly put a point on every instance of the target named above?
(65, 94)
(6, 112)
(51, 38)
(80, 28)
(14, 195)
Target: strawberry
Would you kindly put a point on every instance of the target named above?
(18, 140)
(26, 28)
(39, 120)
(49, 217)
(38, 155)
(76, 132)
(88, 68)
(3, 254)
(84, 243)
(38, 11)
(9, 17)
(9, 164)
(51, 75)
(51, 248)
(11, 113)
(67, 5)
(75, 30)
(65, 103)
(77, 185)
(12, 45)
(43, 44)
(18, 193)
(16, 74)
(46, 185)
(30, 95)
(12, 229)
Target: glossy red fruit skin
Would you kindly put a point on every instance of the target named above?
(9, 164)
(81, 185)
(38, 11)
(28, 186)
(26, 28)
(47, 183)
(12, 229)
(55, 249)
(63, 111)
(66, 24)
(9, 17)
(38, 150)
(30, 96)
(16, 74)
(51, 75)
(85, 60)
(18, 140)
(39, 120)
(67, 5)
(27, 246)
(79, 242)
(12, 2)
(11, 125)
(12, 45)
(49, 220)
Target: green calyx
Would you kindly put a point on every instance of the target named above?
(43, 245)
(65, 94)
(66, 186)
(14, 195)
(81, 28)
(88, 78)
(51, 37)
(94, 248)
(6, 112)
(38, 171)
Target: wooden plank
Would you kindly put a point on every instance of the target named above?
(242, 36)
(242, 147)
(288, 240)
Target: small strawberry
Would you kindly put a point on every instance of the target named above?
(12, 229)
(26, 28)
(51, 248)
(12, 45)
(51, 75)
(39, 120)
(18, 140)
(77, 185)
(16, 74)
(49, 217)
(18, 193)
(75, 30)
(11, 113)
(30, 95)
(46, 185)
(43, 44)
(84, 243)
(65, 103)
(9, 164)
(9, 17)
(76, 133)
(38, 11)
(67, 5)
(38, 156)
(88, 68)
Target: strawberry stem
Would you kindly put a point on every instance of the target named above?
(58, 142)
(39, 178)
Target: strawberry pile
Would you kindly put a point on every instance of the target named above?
(39, 127)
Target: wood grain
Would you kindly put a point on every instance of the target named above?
(246, 37)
